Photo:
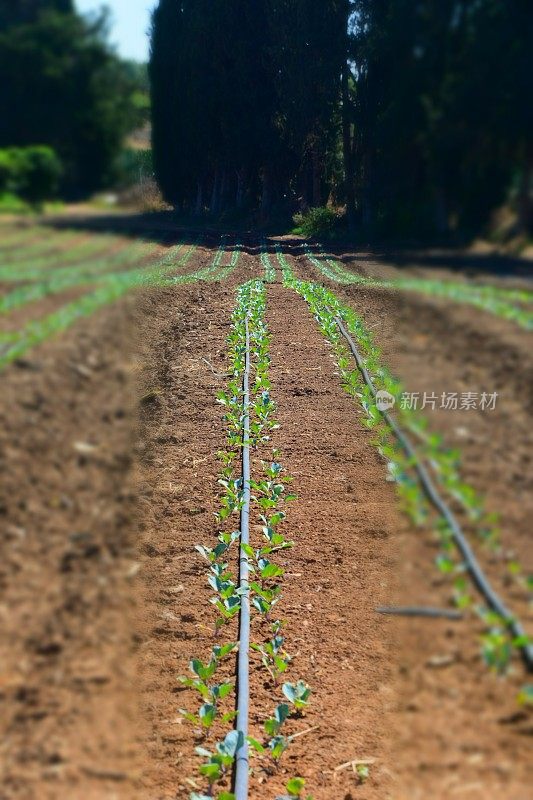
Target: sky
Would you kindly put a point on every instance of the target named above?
(131, 21)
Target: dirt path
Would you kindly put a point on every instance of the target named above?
(343, 563)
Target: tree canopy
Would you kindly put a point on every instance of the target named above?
(415, 115)
(63, 86)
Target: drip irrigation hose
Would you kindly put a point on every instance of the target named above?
(243, 665)
(420, 611)
(474, 568)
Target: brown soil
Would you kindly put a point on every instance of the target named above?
(342, 567)
(108, 444)
(67, 693)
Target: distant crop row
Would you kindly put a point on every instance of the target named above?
(110, 287)
(505, 303)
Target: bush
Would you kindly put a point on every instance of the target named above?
(11, 204)
(319, 222)
(31, 173)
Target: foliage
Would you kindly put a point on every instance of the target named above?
(31, 173)
(27, 11)
(440, 120)
(413, 115)
(317, 222)
(65, 88)
(12, 204)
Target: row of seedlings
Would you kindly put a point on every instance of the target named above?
(56, 243)
(12, 238)
(45, 265)
(503, 634)
(113, 286)
(504, 303)
(91, 272)
(269, 271)
(249, 419)
(14, 344)
(216, 270)
(72, 263)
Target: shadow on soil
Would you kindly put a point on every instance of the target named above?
(165, 228)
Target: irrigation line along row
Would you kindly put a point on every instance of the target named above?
(243, 664)
(474, 568)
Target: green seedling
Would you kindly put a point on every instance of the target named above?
(273, 657)
(225, 540)
(363, 772)
(298, 694)
(220, 581)
(212, 694)
(294, 787)
(274, 724)
(277, 746)
(227, 609)
(264, 599)
(232, 500)
(525, 696)
(220, 762)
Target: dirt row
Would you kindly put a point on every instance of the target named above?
(108, 455)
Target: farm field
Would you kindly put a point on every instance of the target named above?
(138, 362)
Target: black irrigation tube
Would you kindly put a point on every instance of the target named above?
(420, 611)
(243, 663)
(474, 568)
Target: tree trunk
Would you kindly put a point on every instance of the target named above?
(199, 198)
(213, 208)
(221, 205)
(239, 194)
(441, 211)
(367, 192)
(316, 174)
(266, 194)
(347, 145)
(525, 196)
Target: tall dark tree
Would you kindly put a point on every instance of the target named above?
(245, 98)
(63, 86)
(308, 57)
(441, 113)
(18, 12)
(415, 115)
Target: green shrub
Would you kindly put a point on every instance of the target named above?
(31, 173)
(317, 222)
(11, 204)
